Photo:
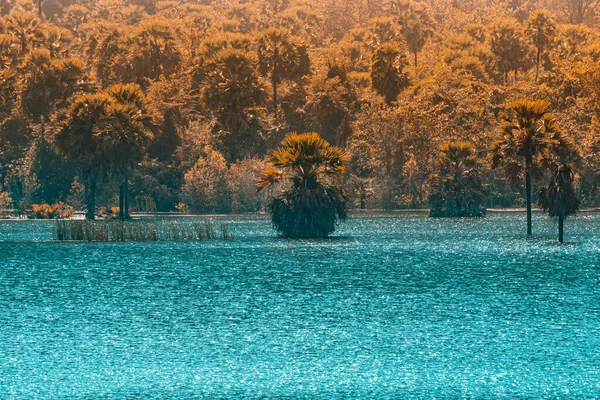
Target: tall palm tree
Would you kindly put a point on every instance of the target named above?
(508, 46)
(559, 197)
(76, 139)
(456, 188)
(231, 89)
(125, 130)
(542, 31)
(388, 77)
(281, 56)
(415, 23)
(527, 131)
(307, 205)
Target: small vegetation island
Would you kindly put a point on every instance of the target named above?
(120, 106)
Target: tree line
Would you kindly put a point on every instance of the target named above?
(159, 106)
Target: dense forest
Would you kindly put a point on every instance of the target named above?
(178, 102)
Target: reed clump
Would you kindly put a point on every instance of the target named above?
(139, 231)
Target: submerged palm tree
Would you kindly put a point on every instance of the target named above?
(559, 197)
(308, 205)
(456, 189)
(528, 131)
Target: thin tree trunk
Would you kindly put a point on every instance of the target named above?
(275, 97)
(561, 228)
(528, 163)
(124, 200)
(416, 61)
(91, 200)
(537, 66)
(121, 201)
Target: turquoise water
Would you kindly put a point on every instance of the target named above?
(395, 306)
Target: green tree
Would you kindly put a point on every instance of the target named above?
(541, 29)
(527, 131)
(231, 89)
(456, 188)
(307, 206)
(125, 130)
(415, 23)
(76, 139)
(281, 56)
(559, 198)
(388, 77)
(508, 46)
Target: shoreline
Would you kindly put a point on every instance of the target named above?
(80, 214)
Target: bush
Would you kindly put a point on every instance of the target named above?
(5, 202)
(242, 176)
(206, 187)
(54, 211)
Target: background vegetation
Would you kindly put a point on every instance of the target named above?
(178, 102)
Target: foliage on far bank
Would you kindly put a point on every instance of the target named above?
(387, 81)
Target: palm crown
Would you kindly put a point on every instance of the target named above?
(302, 158)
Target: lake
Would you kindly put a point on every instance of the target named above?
(393, 306)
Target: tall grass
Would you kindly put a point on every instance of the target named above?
(139, 231)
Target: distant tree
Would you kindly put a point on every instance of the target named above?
(542, 31)
(415, 22)
(76, 138)
(456, 188)
(559, 198)
(508, 46)
(281, 56)
(307, 205)
(231, 89)
(125, 131)
(387, 72)
(576, 11)
(527, 131)
(25, 27)
(153, 51)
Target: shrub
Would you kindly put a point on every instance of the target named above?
(54, 211)
(242, 176)
(5, 202)
(206, 187)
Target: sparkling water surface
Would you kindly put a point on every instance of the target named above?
(394, 306)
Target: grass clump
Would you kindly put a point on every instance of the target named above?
(139, 231)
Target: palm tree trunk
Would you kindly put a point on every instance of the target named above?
(537, 66)
(91, 200)
(275, 97)
(561, 228)
(528, 163)
(124, 200)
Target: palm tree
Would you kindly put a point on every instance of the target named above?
(559, 197)
(231, 89)
(456, 189)
(387, 72)
(281, 56)
(76, 139)
(508, 46)
(125, 131)
(415, 23)
(542, 31)
(307, 205)
(527, 132)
